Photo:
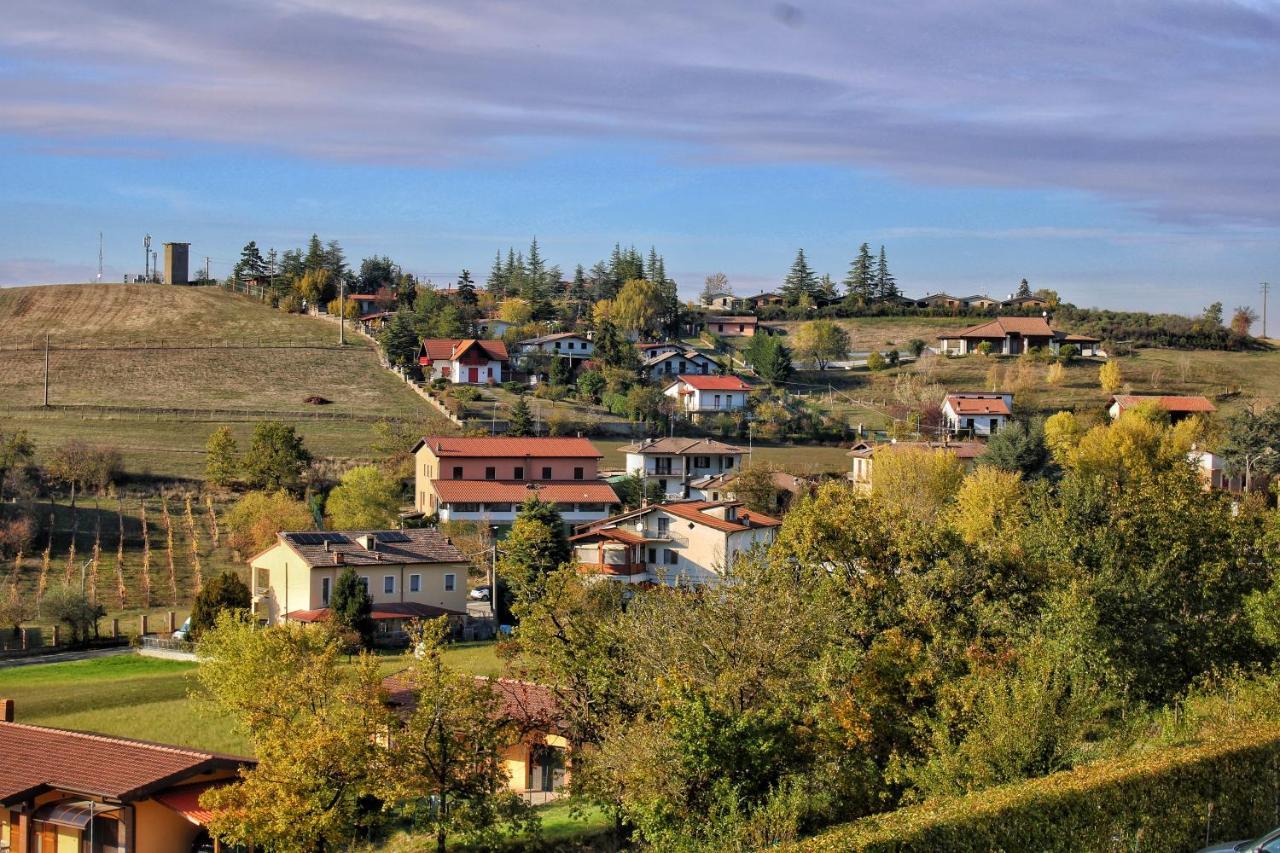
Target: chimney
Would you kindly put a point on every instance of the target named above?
(6, 710)
(326, 545)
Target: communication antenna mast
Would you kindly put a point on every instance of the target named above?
(1266, 288)
(146, 251)
(99, 256)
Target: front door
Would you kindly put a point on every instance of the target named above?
(473, 375)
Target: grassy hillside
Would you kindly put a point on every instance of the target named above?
(154, 369)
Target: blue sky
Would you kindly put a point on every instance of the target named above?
(1123, 154)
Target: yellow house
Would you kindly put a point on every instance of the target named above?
(410, 574)
(66, 791)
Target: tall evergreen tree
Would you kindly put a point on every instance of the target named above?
(1024, 288)
(251, 263)
(860, 282)
(497, 281)
(886, 284)
(827, 292)
(351, 606)
(466, 289)
(579, 293)
(800, 281)
(315, 254)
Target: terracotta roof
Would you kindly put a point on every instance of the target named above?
(695, 511)
(681, 446)
(504, 447)
(1168, 403)
(392, 610)
(515, 491)
(557, 336)
(964, 404)
(1001, 326)
(712, 383)
(388, 547)
(616, 533)
(961, 449)
(185, 800)
(36, 758)
(715, 318)
(363, 297)
(448, 349)
(1081, 339)
(529, 705)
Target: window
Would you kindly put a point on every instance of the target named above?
(664, 525)
(702, 462)
(546, 472)
(364, 580)
(457, 472)
(450, 581)
(326, 587)
(415, 583)
(491, 473)
(464, 507)
(717, 401)
(995, 425)
(498, 507)
(653, 555)
(592, 508)
(569, 345)
(669, 557)
(518, 473)
(389, 584)
(577, 473)
(662, 465)
(728, 462)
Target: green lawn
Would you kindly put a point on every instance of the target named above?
(152, 699)
(559, 827)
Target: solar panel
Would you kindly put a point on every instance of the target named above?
(393, 536)
(319, 538)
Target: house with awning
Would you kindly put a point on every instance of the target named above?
(65, 790)
(977, 413)
(1014, 336)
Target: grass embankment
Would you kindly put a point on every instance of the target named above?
(143, 367)
(154, 699)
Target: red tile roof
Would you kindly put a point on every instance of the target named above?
(389, 547)
(1168, 403)
(1001, 326)
(35, 758)
(393, 610)
(695, 511)
(186, 801)
(713, 383)
(978, 405)
(748, 320)
(515, 491)
(682, 446)
(448, 349)
(530, 706)
(503, 447)
(960, 449)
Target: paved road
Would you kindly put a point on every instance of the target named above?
(62, 657)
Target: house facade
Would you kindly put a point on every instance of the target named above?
(1014, 336)
(577, 348)
(464, 362)
(675, 463)
(729, 326)
(1179, 408)
(682, 542)
(1212, 469)
(63, 790)
(863, 454)
(688, 361)
(977, 413)
(725, 303)
(486, 479)
(410, 574)
(708, 395)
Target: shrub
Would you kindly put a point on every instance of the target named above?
(1166, 800)
(916, 347)
(561, 422)
(440, 383)
(514, 387)
(464, 394)
(1067, 353)
(551, 392)
(985, 348)
(876, 361)
(894, 358)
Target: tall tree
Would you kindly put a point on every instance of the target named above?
(715, 286)
(770, 358)
(220, 459)
(637, 307)
(366, 499)
(860, 280)
(497, 280)
(801, 284)
(466, 289)
(1024, 289)
(822, 342)
(351, 606)
(536, 546)
(579, 294)
(886, 284)
(519, 419)
(226, 593)
(276, 456)
(251, 263)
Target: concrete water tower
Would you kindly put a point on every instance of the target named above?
(175, 263)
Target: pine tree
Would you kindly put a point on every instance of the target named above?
(860, 282)
(1024, 289)
(800, 282)
(351, 606)
(251, 264)
(886, 284)
(519, 420)
(466, 289)
(579, 292)
(827, 292)
(497, 281)
(315, 254)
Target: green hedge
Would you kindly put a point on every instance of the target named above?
(1167, 801)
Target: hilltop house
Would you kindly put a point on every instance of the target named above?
(63, 790)
(486, 479)
(673, 463)
(727, 302)
(650, 351)
(669, 543)
(1179, 408)
(469, 362)
(864, 453)
(704, 395)
(977, 413)
(410, 574)
(1024, 302)
(577, 348)
(537, 759)
(680, 362)
(1014, 336)
(729, 326)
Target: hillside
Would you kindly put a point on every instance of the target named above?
(153, 370)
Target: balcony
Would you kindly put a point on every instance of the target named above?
(627, 569)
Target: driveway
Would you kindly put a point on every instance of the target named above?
(63, 657)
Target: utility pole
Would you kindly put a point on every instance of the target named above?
(146, 258)
(155, 267)
(1266, 288)
(342, 311)
(99, 256)
(206, 267)
(46, 370)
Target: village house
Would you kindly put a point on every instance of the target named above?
(63, 790)
(764, 300)
(977, 413)
(492, 327)
(537, 759)
(1014, 336)
(676, 363)
(469, 362)
(1024, 303)
(1213, 471)
(1179, 408)
(979, 302)
(726, 303)
(730, 326)
(942, 301)
(863, 455)
(487, 478)
(577, 348)
(410, 574)
(683, 542)
(708, 395)
(674, 463)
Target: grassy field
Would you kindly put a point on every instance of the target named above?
(153, 699)
(153, 370)
(884, 333)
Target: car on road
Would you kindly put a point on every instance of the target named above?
(481, 593)
(1268, 842)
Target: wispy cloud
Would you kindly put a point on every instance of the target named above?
(1170, 106)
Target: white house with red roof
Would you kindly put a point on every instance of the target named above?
(708, 395)
(976, 412)
(487, 478)
(469, 362)
(681, 542)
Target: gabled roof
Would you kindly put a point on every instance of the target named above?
(515, 491)
(508, 447)
(695, 511)
(387, 547)
(1180, 405)
(1002, 326)
(711, 383)
(961, 449)
(978, 404)
(448, 349)
(35, 759)
(530, 706)
(557, 336)
(688, 354)
(682, 447)
(726, 318)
